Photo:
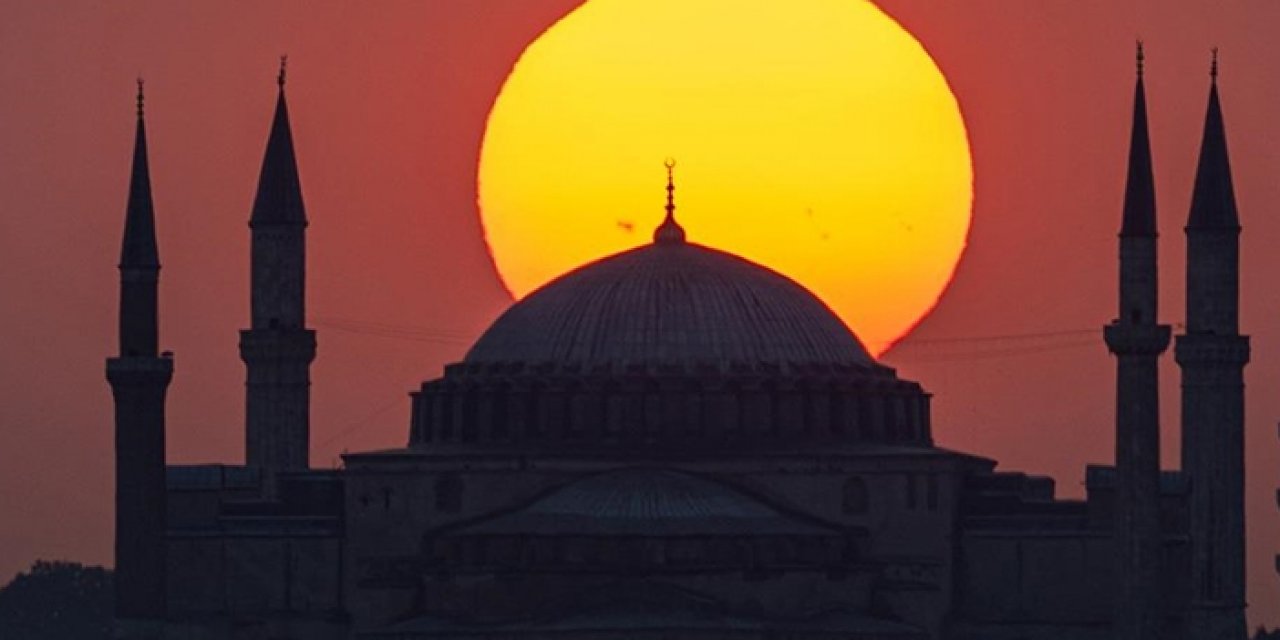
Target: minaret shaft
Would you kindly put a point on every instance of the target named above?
(1138, 536)
(139, 320)
(1137, 341)
(138, 387)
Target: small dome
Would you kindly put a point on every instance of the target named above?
(670, 303)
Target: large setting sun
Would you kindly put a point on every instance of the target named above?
(816, 137)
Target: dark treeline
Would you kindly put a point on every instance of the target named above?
(57, 600)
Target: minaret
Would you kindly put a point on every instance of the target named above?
(278, 348)
(139, 377)
(1212, 355)
(1137, 340)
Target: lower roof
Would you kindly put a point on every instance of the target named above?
(647, 503)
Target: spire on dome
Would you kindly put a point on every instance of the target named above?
(670, 231)
(279, 198)
(1139, 194)
(1213, 202)
(139, 246)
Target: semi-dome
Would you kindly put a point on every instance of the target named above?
(670, 302)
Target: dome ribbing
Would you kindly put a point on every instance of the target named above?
(670, 303)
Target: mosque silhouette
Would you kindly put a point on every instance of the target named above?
(676, 443)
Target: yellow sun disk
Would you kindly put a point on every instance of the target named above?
(815, 137)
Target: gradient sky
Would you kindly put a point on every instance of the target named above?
(388, 107)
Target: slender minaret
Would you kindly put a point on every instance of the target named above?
(278, 348)
(1137, 340)
(139, 377)
(1212, 354)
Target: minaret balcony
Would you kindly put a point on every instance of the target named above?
(139, 370)
(278, 345)
(1209, 348)
(1136, 339)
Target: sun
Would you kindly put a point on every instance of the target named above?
(816, 137)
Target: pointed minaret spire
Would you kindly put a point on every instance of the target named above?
(670, 231)
(279, 199)
(1213, 202)
(1140, 194)
(139, 256)
(139, 246)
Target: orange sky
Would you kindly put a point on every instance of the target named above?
(388, 109)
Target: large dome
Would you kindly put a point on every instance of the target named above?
(670, 303)
(671, 345)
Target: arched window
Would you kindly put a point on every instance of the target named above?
(856, 500)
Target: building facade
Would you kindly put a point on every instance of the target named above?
(674, 442)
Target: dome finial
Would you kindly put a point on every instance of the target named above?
(284, 66)
(140, 96)
(1142, 58)
(669, 231)
(1213, 66)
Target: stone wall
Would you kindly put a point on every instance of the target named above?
(268, 587)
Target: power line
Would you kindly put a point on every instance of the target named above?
(365, 421)
(373, 324)
(1008, 337)
(1002, 352)
(998, 346)
(394, 332)
(984, 347)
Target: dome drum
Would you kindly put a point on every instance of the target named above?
(678, 408)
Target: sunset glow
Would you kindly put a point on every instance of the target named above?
(816, 137)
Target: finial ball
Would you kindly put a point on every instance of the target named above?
(140, 96)
(284, 62)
